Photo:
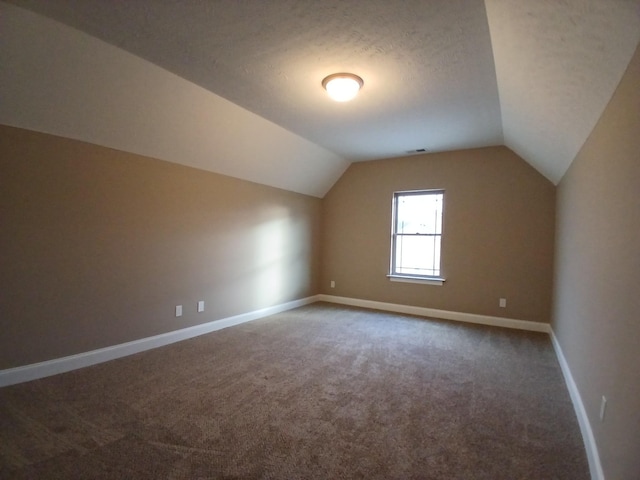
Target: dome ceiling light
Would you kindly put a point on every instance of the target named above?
(342, 87)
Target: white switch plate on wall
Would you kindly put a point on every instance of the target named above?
(201, 306)
(178, 310)
(603, 408)
(503, 303)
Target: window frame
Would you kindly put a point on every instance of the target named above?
(408, 277)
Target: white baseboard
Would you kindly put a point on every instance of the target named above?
(595, 467)
(34, 371)
(444, 314)
(60, 365)
(593, 457)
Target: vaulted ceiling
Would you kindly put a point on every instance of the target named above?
(438, 75)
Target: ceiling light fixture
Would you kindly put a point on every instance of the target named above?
(342, 87)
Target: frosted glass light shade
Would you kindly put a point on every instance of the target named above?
(342, 87)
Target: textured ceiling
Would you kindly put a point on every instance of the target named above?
(557, 64)
(439, 75)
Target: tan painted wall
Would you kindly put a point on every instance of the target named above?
(98, 246)
(597, 287)
(497, 240)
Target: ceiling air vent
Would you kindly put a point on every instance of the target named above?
(418, 150)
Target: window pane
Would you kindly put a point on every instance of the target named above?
(417, 255)
(419, 213)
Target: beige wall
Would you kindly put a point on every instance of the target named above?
(497, 240)
(597, 287)
(98, 246)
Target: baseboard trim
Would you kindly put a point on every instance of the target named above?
(593, 457)
(34, 371)
(595, 467)
(444, 314)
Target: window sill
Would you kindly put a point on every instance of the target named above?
(422, 280)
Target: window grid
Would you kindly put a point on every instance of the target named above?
(417, 233)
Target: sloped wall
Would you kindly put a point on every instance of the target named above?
(55, 79)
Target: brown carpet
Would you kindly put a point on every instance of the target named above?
(323, 392)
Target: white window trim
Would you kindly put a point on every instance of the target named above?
(394, 277)
(423, 280)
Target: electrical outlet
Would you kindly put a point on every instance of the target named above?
(333, 284)
(503, 303)
(603, 408)
(178, 310)
(201, 306)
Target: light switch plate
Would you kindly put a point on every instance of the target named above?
(603, 408)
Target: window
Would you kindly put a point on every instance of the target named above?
(416, 236)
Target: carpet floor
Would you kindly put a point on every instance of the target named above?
(320, 392)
